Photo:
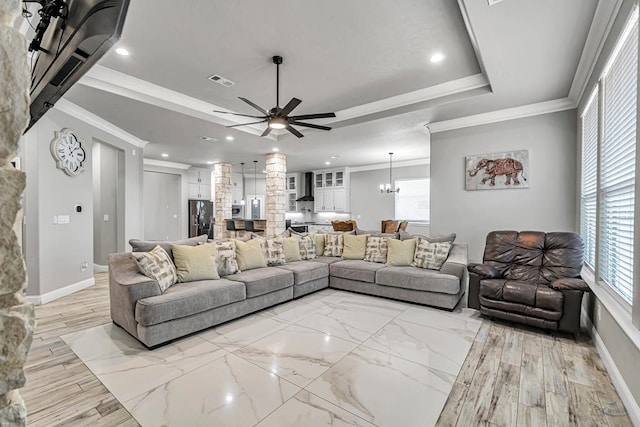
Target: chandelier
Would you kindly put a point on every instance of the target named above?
(387, 188)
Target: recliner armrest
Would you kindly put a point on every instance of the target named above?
(485, 271)
(569, 283)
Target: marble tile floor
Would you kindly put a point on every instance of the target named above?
(332, 358)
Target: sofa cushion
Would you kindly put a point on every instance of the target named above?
(433, 239)
(250, 255)
(195, 262)
(326, 259)
(400, 253)
(185, 299)
(306, 271)
(261, 281)
(515, 296)
(418, 279)
(354, 246)
(157, 265)
(147, 245)
(291, 249)
(355, 269)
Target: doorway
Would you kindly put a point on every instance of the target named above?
(162, 205)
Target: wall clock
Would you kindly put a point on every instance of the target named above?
(68, 153)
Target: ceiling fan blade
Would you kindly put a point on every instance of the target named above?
(294, 131)
(289, 107)
(237, 114)
(313, 116)
(309, 125)
(266, 132)
(246, 124)
(257, 107)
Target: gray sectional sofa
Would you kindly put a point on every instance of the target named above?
(155, 318)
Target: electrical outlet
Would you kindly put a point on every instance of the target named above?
(84, 266)
(598, 312)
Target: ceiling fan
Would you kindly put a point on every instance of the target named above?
(279, 118)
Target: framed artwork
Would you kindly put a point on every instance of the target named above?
(497, 171)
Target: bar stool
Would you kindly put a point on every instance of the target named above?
(249, 226)
(231, 227)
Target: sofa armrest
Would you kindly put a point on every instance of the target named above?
(569, 283)
(126, 287)
(456, 263)
(484, 271)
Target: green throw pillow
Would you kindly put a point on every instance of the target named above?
(195, 262)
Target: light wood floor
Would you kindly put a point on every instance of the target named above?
(512, 376)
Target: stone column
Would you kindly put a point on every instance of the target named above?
(222, 201)
(276, 193)
(17, 320)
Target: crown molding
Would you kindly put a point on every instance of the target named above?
(165, 164)
(502, 115)
(603, 19)
(401, 164)
(98, 122)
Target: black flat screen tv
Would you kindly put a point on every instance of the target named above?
(71, 45)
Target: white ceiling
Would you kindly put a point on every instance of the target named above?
(367, 61)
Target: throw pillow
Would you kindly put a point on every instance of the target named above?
(274, 251)
(307, 247)
(400, 253)
(250, 254)
(431, 255)
(148, 245)
(320, 242)
(195, 262)
(157, 265)
(354, 246)
(226, 257)
(376, 249)
(334, 244)
(291, 249)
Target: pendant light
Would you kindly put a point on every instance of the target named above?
(387, 188)
(255, 182)
(242, 200)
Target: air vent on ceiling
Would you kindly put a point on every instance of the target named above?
(221, 80)
(492, 2)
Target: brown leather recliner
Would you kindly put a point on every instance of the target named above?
(530, 277)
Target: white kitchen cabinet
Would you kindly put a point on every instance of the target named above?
(293, 190)
(331, 190)
(199, 180)
(339, 200)
(316, 228)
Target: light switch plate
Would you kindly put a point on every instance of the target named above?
(63, 219)
(106, 217)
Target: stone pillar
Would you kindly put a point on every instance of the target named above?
(17, 320)
(222, 201)
(276, 193)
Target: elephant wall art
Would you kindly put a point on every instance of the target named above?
(497, 171)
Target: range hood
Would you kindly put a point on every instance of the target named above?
(308, 188)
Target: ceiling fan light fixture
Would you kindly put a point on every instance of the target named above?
(278, 123)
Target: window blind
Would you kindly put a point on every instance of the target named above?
(617, 168)
(589, 189)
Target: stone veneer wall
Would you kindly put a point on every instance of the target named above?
(17, 319)
(222, 202)
(276, 194)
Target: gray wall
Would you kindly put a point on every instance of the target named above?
(549, 202)
(54, 253)
(368, 206)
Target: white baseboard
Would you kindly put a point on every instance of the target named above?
(59, 293)
(97, 268)
(630, 404)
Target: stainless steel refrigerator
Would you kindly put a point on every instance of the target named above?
(200, 218)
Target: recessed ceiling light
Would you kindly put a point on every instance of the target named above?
(264, 171)
(229, 138)
(209, 162)
(165, 155)
(275, 149)
(207, 138)
(437, 57)
(122, 51)
(334, 157)
(327, 163)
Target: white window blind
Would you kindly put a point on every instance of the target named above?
(589, 189)
(617, 167)
(412, 202)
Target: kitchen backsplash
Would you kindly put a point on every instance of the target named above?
(307, 215)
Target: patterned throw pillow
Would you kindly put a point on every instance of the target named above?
(157, 265)
(273, 251)
(376, 249)
(431, 255)
(307, 247)
(226, 257)
(334, 244)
